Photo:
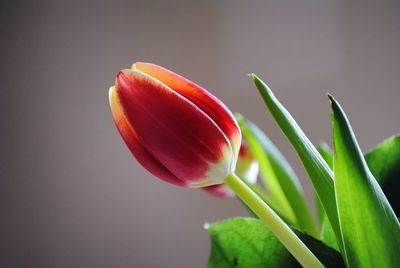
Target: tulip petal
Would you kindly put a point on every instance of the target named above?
(174, 130)
(208, 103)
(220, 190)
(135, 146)
(247, 166)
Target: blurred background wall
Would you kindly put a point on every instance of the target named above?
(71, 194)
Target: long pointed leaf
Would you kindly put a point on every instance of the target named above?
(320, 174)
(327, 234)
(384, 163)
(277, 172)
(326, 154)
(370, 230)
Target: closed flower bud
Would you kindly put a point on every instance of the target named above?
(175, 129)
(246, 169)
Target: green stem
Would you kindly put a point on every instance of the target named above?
(287, 237)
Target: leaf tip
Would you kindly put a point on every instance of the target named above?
(330, 97)
(335, 106)
(257, 81)
(252, 76)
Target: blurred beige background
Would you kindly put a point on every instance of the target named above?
(71, 195)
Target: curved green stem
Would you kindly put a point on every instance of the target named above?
(287, 237)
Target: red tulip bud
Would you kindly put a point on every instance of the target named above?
(246, 168)
(176, 129)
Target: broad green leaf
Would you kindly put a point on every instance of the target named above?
(371, 232)
(247, 243)
(319, 172)
(384, 160)
(384, 163)
(279, 177)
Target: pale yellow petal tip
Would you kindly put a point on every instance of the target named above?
(136, 66)
(116, 108)
(111, 93)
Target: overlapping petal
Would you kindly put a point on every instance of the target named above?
(174, 130)
(208, 103)
(135, 146)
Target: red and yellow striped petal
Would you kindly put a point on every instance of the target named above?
(174, 130)
(200, 97)
(135, 146)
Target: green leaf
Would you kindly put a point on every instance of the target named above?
(320, 208)
(384, 159)
(326, 153)
(279, 177)
(371, 232)
(319, 172)
(327, 234)
(275, 194)
(247, 243)
(384, 163)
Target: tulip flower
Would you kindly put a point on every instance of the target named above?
(246, 168)
(184, 135)
(175, 129)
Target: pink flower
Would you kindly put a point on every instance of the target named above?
(175, 129)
